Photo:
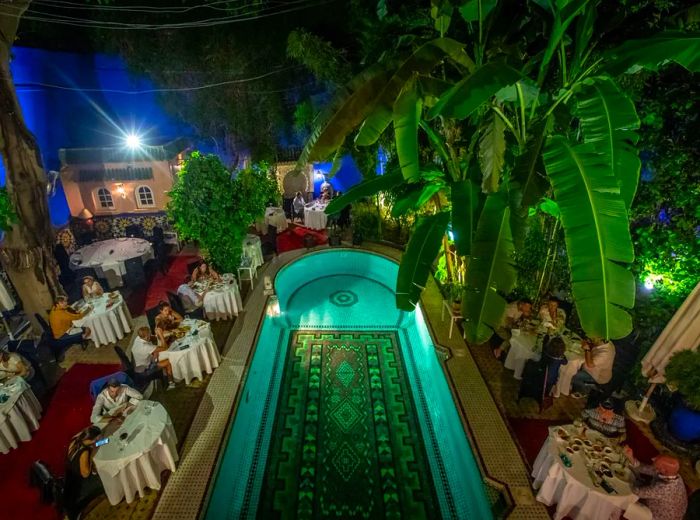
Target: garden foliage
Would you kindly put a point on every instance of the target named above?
(214, 207)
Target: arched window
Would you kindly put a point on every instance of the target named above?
(104, 199)
(144, 197)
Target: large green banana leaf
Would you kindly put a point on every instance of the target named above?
(467, 95)
(492, 151)
(416, 262)
(416, 198)
(470, 9)
(651, 53)
(529, 169)
(597, 235)
(407, 111)
(465, 200)
(491, 271)
(345, 113)
(366, 188)
(423, 61)
(609, 120)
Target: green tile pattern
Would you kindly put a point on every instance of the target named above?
(346, 441)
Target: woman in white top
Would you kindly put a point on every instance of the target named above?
(91, 288)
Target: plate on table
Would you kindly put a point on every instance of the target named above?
(562, 434)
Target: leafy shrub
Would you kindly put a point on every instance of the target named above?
(210, 205)
(683, 372)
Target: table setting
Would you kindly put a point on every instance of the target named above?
(222, 300)
(586, 475)
(526, 343)
(19, 413)
(108, 318)
(252, 249)
(315, 215)
(108, 257)
(137, 452)
(193, 353)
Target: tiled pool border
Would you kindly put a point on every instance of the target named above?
(186, 492)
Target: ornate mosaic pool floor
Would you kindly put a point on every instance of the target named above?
(346, 442)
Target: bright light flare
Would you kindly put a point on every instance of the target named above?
(133, 141)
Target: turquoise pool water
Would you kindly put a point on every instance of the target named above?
(345, 411)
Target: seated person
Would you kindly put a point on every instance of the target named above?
(61, 318)
(326, 188)
(205, 273)
(515, 313)
(597, 367)
(553, 319)
(14, 365)
(91, 288)
(553, 356)
(605, 419)
(82, 484)
(298, 206)
(166, 322)
(114, 401)
(145, 354)
(190, 299)
(664, 494)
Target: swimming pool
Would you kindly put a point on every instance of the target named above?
(345, 411)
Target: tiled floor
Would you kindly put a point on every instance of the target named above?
(500, 459)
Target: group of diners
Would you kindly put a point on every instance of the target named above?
(112, 405)
(550, 328)
(193, 301)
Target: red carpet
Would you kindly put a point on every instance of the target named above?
(167, 282)
(531, 434)
(67, 413)
(293, 238)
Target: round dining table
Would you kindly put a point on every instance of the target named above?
(109, 320)
(252, 248)
(194, 354)
(139, 450)
(19, 413)
(576, 489)
(315, 215)
(222, 300)
(109, 257)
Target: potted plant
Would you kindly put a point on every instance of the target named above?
(683, 375)
(454, 292)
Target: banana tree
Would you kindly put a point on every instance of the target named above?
(493, 124)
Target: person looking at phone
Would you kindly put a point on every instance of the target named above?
(115, 400)
(82, 484)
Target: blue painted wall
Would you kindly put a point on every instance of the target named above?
(62, 118)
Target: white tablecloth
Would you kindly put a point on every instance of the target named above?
(574, 492)
(108, 257)
(201, 356)
(522, 348)
(129, 467)
(19, 415)
(273, 217)
(223, 300)
(108, 325)
(315, 216)
(252, 249)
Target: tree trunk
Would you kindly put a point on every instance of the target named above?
(27, 250)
